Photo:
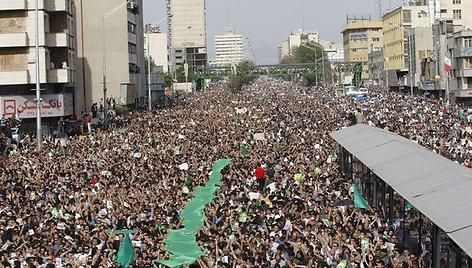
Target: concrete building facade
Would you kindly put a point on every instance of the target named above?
(157, 43)
(376, 67)
(229, 48)
(186, 35)
(57, 59)
(460, 78)
(399, 43)
(124, 51)
(359, 39)
(334, 52)
(296, 39)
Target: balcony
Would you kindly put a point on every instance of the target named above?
(14, 78)
(62, 76)
(58, 40)
(13, 4)
(463, 52)
(462, 93)
(57, 5)
(133, 58)
(132, 38)
(466, 73)
(14, 40)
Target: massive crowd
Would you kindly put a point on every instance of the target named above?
(59, 206)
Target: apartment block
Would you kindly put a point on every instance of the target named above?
(156, 41)
(57, 59)
(186, 35)
(296, 39)
(460, 78)
(229, 48)
(359, 39)
(111, 32)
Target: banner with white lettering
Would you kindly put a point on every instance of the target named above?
(52, 105)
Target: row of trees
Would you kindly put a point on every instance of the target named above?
(311, 53)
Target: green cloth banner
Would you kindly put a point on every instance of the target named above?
(121, 131)
(182, 244)
(359, 201)
(243, 150)
(125, 255)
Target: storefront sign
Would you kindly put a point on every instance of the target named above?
(52, 105)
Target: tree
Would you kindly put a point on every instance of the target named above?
(153, 65)
(244, 75)
(310, 53)
(181, 74)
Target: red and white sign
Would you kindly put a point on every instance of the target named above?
(53, 105)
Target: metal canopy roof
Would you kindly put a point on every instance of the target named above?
(438, 187)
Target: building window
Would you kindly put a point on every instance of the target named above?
(468, 42)
(456, 2)
(131, 48)
(457, 14)
(375, 39)
(468, 63)
(131, 27)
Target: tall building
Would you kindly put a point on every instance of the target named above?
(229, 48)
(186, 33)
(296, 39)
(361, 37)
(455, 10)
(398, 25)
(120, 24)
(460, 44)
(57, 60)
(157, 43)
(450, 17)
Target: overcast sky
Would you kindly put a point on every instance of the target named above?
(266, 23)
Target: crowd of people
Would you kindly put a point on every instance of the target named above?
(276, 206)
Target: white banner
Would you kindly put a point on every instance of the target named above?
(53, 105)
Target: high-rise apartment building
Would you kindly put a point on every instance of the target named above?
(120, 24)
(361, 37)
(57, 60)
(229, 48)
(186, 33)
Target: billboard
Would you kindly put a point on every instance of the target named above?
(52, 105)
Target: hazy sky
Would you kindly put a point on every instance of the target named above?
(266, 23)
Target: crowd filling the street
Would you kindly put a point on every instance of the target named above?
(283, 201)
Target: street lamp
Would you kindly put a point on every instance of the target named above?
(316, 60)
(38, 91)
(104, 61)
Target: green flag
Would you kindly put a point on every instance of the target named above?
(408, 206)
(125, 255)
(342, 264)
(243, 150)
(359, 201)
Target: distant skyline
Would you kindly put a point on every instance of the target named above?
(268, 22)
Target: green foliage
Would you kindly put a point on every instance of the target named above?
(168, 79)
(153, 65)
(181, 74)
(121, 109)
(236, 82)
(311, 53)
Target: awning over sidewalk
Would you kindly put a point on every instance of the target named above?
(438, 187)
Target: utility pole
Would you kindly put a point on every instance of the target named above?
(38, 90)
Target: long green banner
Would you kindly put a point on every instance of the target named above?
(182, 244)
